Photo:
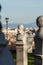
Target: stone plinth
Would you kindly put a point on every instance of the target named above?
(21, 51)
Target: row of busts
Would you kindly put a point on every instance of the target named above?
(28, 35)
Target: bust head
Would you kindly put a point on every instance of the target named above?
(39, 21)
(20, 28)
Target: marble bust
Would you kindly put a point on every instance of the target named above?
(38, 39)
(20, 32)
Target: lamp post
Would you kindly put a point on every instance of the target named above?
(6, 27)
(0, 12)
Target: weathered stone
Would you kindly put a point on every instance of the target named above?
(39, 41)
(21, 47)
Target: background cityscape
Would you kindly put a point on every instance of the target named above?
(21, 11)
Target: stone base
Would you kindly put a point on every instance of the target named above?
(37, 60)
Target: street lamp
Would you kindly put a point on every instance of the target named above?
(0, 12)
(7, 27)
(0, 7)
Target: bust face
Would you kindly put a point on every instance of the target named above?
(29, 39)
(39, 21)
(40, 25)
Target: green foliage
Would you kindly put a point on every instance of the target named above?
(30, 59)
(14, 56)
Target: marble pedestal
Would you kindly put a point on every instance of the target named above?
(21, 51)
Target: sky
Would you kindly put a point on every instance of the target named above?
(21, 11)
